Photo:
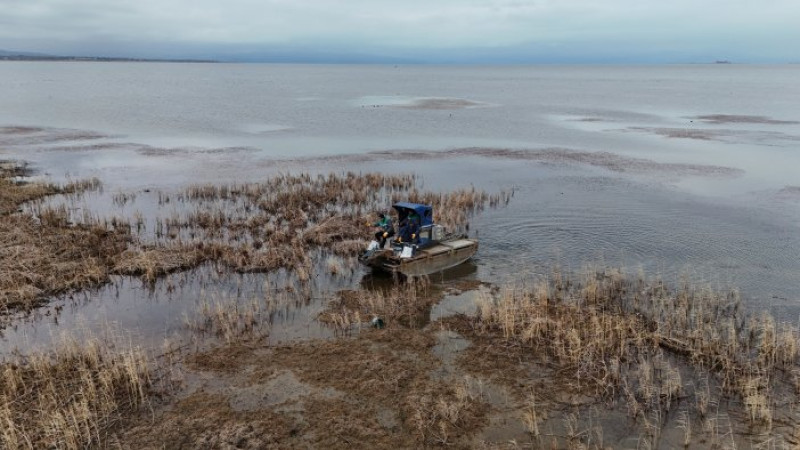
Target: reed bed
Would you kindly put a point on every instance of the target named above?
(232, 318)
(407, 304)
(253, 227)
(46, 255)
(16, 190)
(278, 223)
(642, 344)
(72, 396)
(229, 319)
(75, 395)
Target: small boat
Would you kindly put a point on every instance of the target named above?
(432, 250)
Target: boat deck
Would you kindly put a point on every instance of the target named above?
(447, 247)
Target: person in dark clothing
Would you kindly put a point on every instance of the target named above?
(385, 229)
(409, 228)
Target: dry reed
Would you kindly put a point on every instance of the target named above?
(626, 339)
(255, 227)
(72, 396)
(407, 304)
(46, 255)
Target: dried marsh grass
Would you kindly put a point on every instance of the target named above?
(46, 255)
(643, 344)
(407, 304)
(255, 227)
(72, 396)
(279, 223)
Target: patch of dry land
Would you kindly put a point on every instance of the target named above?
(598, 359)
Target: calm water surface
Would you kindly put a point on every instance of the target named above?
(678, 170)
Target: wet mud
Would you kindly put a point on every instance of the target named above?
(606, 160)
(24, 136)
(789, 193)
(716, 134)
(45, 139)
(721, 119)
(186, 151)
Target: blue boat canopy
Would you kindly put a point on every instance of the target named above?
(425, 212)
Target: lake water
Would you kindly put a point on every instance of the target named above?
(679, 170)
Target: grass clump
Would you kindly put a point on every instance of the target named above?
(46, 255)
(72, 396)
(254, 227)
(644, 346)
(407, 304)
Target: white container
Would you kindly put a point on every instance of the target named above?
(408, 252)
(438, 233)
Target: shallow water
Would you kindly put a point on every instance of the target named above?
(682, 171)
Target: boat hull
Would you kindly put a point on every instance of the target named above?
(436, 258)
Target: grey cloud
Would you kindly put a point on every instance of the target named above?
(411, 24)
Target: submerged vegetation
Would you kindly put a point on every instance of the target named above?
(594, 360)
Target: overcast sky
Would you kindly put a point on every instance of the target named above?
(425, 30)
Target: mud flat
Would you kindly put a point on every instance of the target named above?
(731, 118)
(594, 358)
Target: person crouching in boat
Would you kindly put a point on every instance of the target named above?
(385, 229)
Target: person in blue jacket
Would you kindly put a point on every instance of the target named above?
(409, 228)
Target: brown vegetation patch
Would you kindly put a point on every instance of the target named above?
(378, 365)
(343, 424)
(491, 358)
(257, 227)
(281, 222)
(385, 391)
(48, 255)
(229, 358)
(43, 260)
(391, 368)
(577, 356)
(14, 191)
(154, 262)
(72, 396)
(608, 339)
(407, 304)
(205, 420)
(720, 119)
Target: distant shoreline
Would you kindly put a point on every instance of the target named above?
(98, 59)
